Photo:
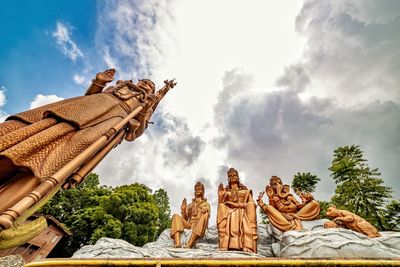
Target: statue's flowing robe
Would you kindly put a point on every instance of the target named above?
(37, 143)
(237, 227)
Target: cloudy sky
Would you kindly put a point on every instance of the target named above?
(268, 87)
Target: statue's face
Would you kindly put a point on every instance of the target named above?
(274, 181)
(198, 191)
(233, 178)
(332, 212)
(146, 85)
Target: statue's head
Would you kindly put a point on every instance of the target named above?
(199, 190)
(286, 188)
(147, 85)
(233, 176)
(274, 182)
(332, 212)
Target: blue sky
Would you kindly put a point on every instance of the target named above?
(31, 61)
(268, 87)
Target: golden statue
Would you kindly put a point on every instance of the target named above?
(236, 217)
(284, 211)
(60, 143)
(195, 217)
(349, 220)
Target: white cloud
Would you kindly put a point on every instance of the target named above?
(62, 34)
(233, 106)
(194, 43)
(41, 100)
(3, 114)
(79, 79)
(2, 96)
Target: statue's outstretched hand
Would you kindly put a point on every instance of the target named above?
(221, 192)
(105, 76)
(184, 206)
(260, 202)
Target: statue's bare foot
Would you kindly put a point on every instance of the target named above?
(247, 250)
(105, 76)
(177, 246)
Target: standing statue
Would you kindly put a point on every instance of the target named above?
(284, 211)
(60, 143)
(349, 220)
(236, 218)
(195, 217)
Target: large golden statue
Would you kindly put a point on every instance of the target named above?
(195, 217)
(284, 211)
(60, 143)
(348, 220)
(236, 217)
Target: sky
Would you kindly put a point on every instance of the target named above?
(266, 87)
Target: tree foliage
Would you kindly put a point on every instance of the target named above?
(359, 188)
(305, 182)
(392, 216)
(164, 211)
(91, 211)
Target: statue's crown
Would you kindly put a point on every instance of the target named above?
(232, 170)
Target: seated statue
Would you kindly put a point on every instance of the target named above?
(349, 220)
(236, 218)
(195, 217)
(284, 211)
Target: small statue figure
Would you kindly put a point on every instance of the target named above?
(195, 217)
(236, 218)
(349, 220)
(284, 211)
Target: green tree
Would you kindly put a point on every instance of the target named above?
(164, 210)
(91, 211)
(392, 216)
(263, 216)
(359, 188)
(74, 208)
(305, 182)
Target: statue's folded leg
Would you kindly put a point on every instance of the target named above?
(178, 224)
(309, 212)
(277, 219)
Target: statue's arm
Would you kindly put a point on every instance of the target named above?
(137, 126)
(98, 83)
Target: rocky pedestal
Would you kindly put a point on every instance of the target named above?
(312, 242)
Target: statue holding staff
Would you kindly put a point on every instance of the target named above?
(60, 143)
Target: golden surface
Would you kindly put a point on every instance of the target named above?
(21, 234)
(349, 220)
(236, 216)
(284, 211)
(195, 217)
(41, 148)
(209, 262)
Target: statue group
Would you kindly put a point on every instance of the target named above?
(237, 218)
(59, 144)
